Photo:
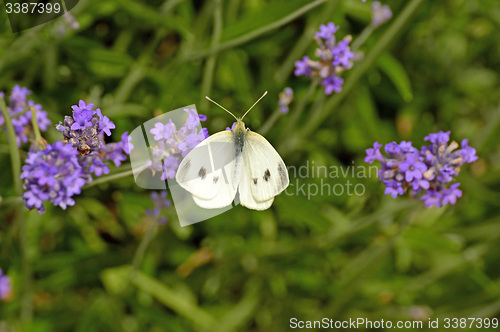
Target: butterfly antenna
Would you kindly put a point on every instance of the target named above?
(221, 107)
(265, 93)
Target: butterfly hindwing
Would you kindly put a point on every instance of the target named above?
(247, 198)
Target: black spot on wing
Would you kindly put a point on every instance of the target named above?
(282, 175)
(216, 179)
(202, 173)
(267, 175)
(255, 181)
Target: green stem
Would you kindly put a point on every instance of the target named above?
(297, 111)
(26, 306)
(14, 151)
(138, 70)
(206, 85)
(141, 250)
(253, 34)
(36, 129)
(362, 38)
(18, 114)
(270, 122)
(318, 116)
(13, 200)
(64, 5)
(109, 178)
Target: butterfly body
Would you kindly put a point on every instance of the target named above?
(230, 162)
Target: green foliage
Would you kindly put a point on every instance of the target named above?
(433, 67)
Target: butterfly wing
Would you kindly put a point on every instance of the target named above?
(246, 197)
(265, 174)
(207, 171)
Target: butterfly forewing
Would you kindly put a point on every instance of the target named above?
(207, 171)
(264, 170)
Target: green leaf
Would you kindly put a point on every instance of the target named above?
(108, 63)
(426, 239)
(397, 74)
(201, 319)
(115, 279)
(270, 13)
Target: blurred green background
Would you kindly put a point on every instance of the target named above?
(434, 66)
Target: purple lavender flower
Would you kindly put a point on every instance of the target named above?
(303, 67)
(71, 21)
(85, 129)
(333, 84)
(5, 286)
(117, 152)
(172, 144)
(85, 132)
(468, 154)
(170, 165)
(20, 110)
(285, 98)
(53, 175)
(162, 131)
(438, 138)
(432, 198)
(82, 115)
(429, 172)
(394, 188)
(85, 138)
(160, 202)
(327, 31)
(412, 167)
(451, 194)
(59, 172)
(232, 127)
(105, 125)
(380, 14)
(193, 120)
(332, 58)
(374, 153)
(342, 54)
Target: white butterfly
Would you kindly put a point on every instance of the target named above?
(230, 161)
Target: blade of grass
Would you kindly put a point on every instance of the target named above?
(26, 306)
(208, 76)
(252, 34)
(199, 317)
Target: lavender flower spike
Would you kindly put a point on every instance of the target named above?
(52, 175)
(170, 144)
(20, 107)
(160, 202)
(5, 286)
(428, 172)
(380, 14)
(285, 98)
(332, 58)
